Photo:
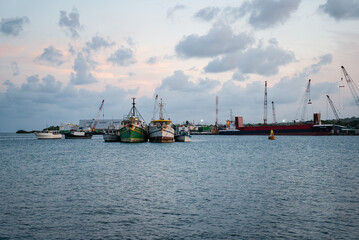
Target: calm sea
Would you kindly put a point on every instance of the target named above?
(216, 187)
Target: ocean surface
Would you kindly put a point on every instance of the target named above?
(216, 187)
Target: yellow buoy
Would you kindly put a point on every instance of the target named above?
(271, 136)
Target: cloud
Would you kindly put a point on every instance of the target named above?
(294, 86)
(71, 50)
(247, 101)
(82, 73)
(45, 101)
(15, 69)
(343, 9)
(50, 56)
(266, 14)
(187, 100)
(152, 60)
(179, 82)
(13, 26)
(207, 14)
(219, 40)
(173, 10)
(261, 60)
(97, 43)
(70, 22)
(237, 76)
(123, 57)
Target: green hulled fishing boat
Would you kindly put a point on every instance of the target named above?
(133, 128)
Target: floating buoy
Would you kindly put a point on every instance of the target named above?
(271, 136)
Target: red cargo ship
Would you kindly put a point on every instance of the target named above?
(314, 128)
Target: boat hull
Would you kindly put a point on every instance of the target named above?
(182, 138)
(304, 129)
(111, 138)
(74, 136)
(161, 135)
(41, 136)
(133, 134)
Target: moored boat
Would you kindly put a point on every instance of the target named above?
(183, 135)
(48, 134)
(112, 134)
(134, 127)
(314, 128)
(78, 134)
(161, 130)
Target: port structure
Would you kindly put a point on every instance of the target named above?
(353, 88)
(335, 111)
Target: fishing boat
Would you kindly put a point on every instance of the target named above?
(183, 135)
(160, 130)
(78, 134)
(112, 134)
(48, 134)
(134, 128)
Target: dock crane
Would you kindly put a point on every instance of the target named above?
(353, 88)
(333, 108)
(273, 111)
(93, 127)
(305, 101)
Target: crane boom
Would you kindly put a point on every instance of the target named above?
(353, 88)
(97, 116)
(306, 101)
(333, 108)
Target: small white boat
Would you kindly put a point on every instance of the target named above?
(183, 135)
(48, 134)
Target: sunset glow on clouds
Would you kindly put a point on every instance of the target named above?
(58, 60)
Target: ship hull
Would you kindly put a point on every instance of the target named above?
(161, 135)
(133, 134)
(49, 135)
(182, 138)
(111, 138)
(305, 130)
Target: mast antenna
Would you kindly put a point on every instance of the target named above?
(265, 103)
(216, 110)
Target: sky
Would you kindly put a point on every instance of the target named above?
(59, 59)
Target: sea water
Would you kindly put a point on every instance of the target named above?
(215, 187)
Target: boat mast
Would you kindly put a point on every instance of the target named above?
(161, 110)
(155, 108)
(133, 107)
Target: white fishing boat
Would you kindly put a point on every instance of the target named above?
(160, 130)
(48, 134)
(183, 135)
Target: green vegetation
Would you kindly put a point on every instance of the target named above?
(23, 131)
(57, 128)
